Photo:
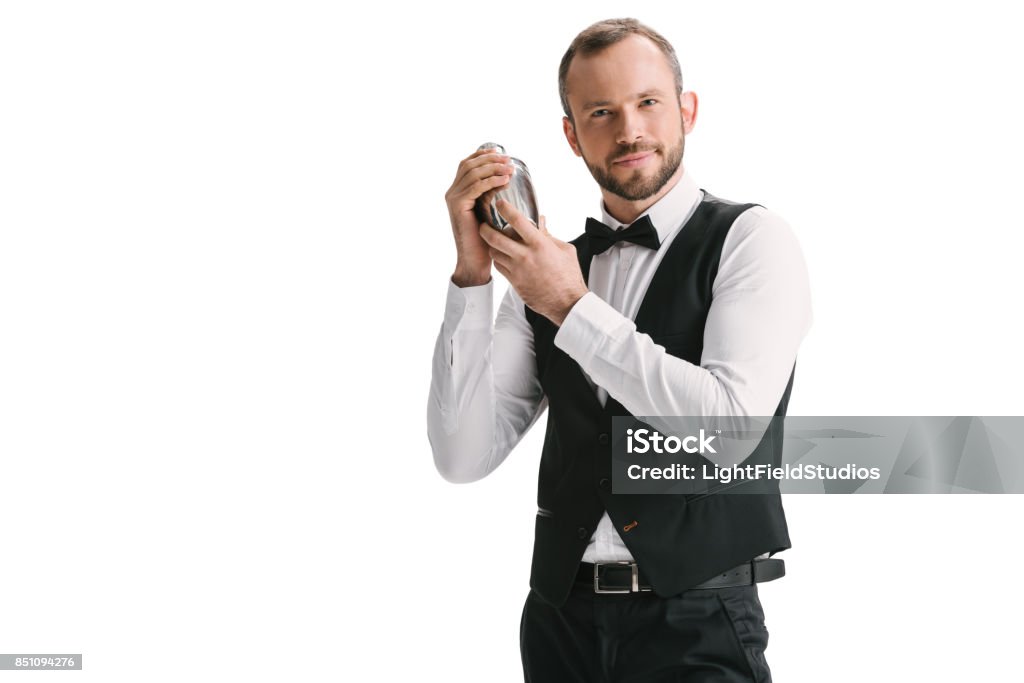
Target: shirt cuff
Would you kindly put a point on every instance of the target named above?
(469, 308)
(590, 323)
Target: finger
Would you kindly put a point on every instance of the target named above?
(505, 245)
(484, 154)
(485, 170)
(500, 259)
(505, 272)
(481, 179)
(544, 225)
(523, 225)
(475, 162)
(482, 151)
(486, 182)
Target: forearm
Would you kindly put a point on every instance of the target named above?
(639, 373)
(483, 395)
(460, 437)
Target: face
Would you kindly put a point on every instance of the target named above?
(629, 125)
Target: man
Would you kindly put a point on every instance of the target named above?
(680, 304)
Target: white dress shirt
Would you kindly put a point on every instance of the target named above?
(485, 394)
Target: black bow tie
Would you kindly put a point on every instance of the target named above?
(602, 237)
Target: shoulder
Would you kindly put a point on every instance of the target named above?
(763, 231)
(761, 251)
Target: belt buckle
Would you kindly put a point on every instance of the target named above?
(634, 583)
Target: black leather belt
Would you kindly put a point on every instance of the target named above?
(626, 577)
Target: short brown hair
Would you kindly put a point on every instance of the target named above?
(597, 37)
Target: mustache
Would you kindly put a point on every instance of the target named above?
(635, 148)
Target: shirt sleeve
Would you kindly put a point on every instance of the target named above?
(484, 391)
(760, 312)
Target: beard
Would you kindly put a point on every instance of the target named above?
(637, 186)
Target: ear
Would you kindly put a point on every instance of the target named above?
(688, 108)
(570, 135)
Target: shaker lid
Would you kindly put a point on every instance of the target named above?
(492, 145)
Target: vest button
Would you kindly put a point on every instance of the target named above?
(582, 533)
(603, 439)
(605, 484)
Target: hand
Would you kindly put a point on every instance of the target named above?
(479, 172)
(544, 270)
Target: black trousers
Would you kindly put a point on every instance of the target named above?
(697, 637)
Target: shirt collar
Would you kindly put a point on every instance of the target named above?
(669, 212)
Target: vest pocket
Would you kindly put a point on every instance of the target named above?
(721, 488)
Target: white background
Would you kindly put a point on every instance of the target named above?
(223, 262)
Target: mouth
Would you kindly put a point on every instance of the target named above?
(634, 160)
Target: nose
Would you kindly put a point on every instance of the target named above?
(630, 127)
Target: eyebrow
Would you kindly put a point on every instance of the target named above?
(639, 95)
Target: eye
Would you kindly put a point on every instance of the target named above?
(599, 113)
(650, 100)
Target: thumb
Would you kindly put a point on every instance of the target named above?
(544, 226)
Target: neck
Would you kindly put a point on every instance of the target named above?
(626, 211)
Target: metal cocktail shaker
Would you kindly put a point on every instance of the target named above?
(518, 192)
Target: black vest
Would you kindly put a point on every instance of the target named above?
(678, 541)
